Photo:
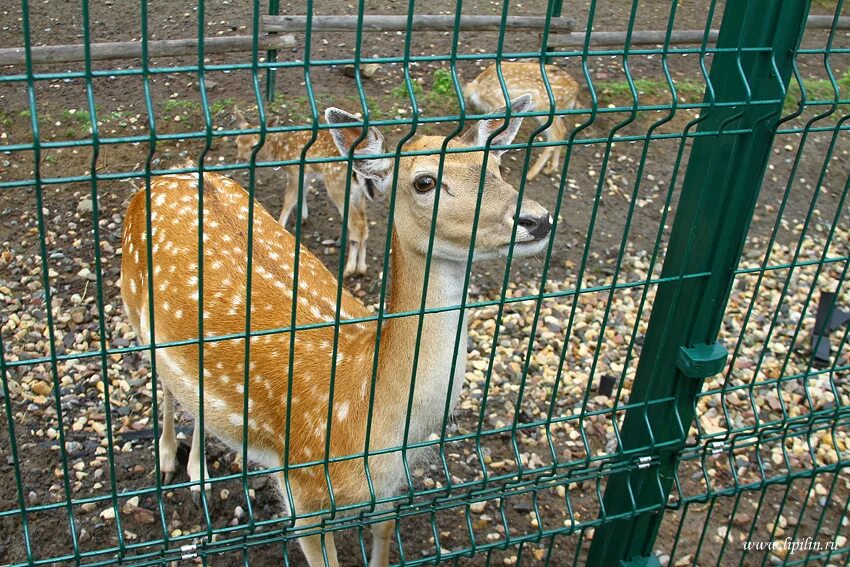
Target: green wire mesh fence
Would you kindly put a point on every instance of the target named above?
(664, 383)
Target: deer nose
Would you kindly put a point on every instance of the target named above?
(538, 226)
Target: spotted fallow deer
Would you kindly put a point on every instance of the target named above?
(178, 301)
(286, 146)
(484, 93)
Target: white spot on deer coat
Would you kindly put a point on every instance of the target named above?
(342, 411)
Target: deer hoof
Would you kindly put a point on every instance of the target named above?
(167, 477)
(196, 495)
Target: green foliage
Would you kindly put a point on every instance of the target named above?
(78, 116)
(402, 92)
(221, 105)
(817, 90)
(118, 117)
(443, 85)
(181, 106)
(621, 90)
(442, 93)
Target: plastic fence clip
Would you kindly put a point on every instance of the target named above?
(644, 462)
(717, 447)
(188, 551)
(828, 318)
(641, 561)
(702, 360)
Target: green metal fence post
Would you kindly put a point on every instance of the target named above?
(557, 8)
(271, 55)
(748, 81)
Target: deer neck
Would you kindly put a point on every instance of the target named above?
(434, 371)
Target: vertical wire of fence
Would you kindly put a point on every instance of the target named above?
(650, 389)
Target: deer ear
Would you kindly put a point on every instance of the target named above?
(479, 133)
(378, 169)
(370, 188)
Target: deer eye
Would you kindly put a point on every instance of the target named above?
(424, 183)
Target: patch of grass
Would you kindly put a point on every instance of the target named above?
(378, 109)
(221, 105)
(401, 92)
(297, 108)
(621, 90)
(181, 105)
(78, 122)
(5, 119)
(26, 114)
(79, 116)
(817, 90)
(443, 85)
(442, 94)
(119, 117)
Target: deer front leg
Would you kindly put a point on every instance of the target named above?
(381, 544)
(351, 258)
(196, 461)
(358, 230)
(555, 162)
(168, 438)
(557, 133)
(362, 228)
(538, 165)
(304, 212)
(361, 257)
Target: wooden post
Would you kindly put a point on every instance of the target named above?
(47, 54)
(618, 38)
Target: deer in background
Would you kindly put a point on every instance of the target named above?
(177, 303)
(484, 93)
(284, 146)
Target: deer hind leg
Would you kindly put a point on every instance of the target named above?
(168, 438)
(319, 549)
(304, 212)
(290, 199)
(313, 545)
(381, 534)
(197, 461)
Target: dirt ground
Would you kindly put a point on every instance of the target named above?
(601, 182)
